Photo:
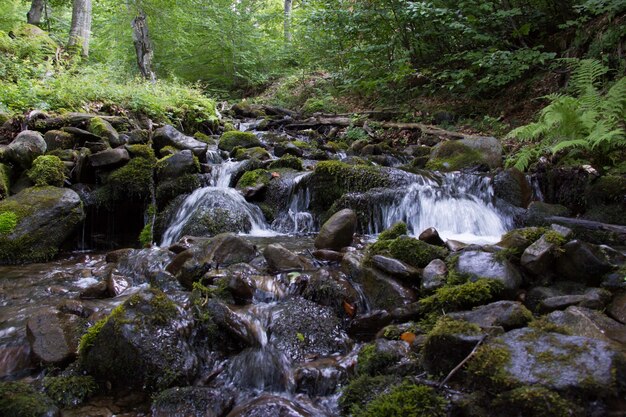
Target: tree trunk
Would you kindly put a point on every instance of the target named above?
(287, 22)
(143, 46)
(36, 11)
(80, 30)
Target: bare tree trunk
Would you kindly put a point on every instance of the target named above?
(80, 31)
(36, 11)
(143, 46)
(287, 22)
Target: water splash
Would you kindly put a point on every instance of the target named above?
(296, 219)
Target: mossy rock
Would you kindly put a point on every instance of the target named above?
(395, 231)
(453, 156)
(363, 389)
(5, 181)
(407, 249)
(104, 129)
(168, 190)
(405, 400)
(248, 153)
(287, 161)
(18, 399)
(532, 401)
(43, 218)
(69, 391)
(448, 343)
(47, 170)
(254, 178)
(230, 140)
(134, 180)
(332, 179)
(374, 361)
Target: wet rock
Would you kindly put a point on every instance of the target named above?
(330, 289)
(180, 163)
(366, 326)
(220, 251)
(169, 136)
(117, 284)
(583, 262)
(45, 217)
(395, 268)
(539, 213)
(268, 405)
(142, 265)
(338, 231)
(511, 186)
(109, 158)
(234, 325)
(302, 329)
(455, 245)
(74, 307)
(431, 236)
(506, 314)
(381, 290)
(589, 323)
(53, 337)
(25, 148)
(98, 290)
(486, 265)
(193, 402)
(593, 298)
(261, 368)
(19, 399)
(143, 344)
(434, 275)
(15, 360)
(319, 378)
(328, 255)
(288, 149)
(281, 259)
(617, 309)
(569, 364)
(117, 255)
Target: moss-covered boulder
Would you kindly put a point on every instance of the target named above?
(287, 161)
(478, 152)
(255, 178)
(478, 264)
(144, 343)
(105, 130)
(169, 136)
(58, 139)
(5, 181)
(176, 165)
(47, 170)
(36, 222)
(230, 140)
(405, 400)
(252, 153)
(407, 249)
(18, 399)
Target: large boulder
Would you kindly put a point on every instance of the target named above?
(512, 186)
(169, 136)
(471, 152)
(584, 262)
(144, 344)
(338, 231)
(53, 336)
(585, 322)
(281, 259)
(180, 163)
(222, 250)
(36, 222)
(58, 139)
(480, 264)
(25, 148)
(231, 140)
(103, 129)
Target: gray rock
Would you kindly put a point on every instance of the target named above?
(338, 231)
(328, 255)
(268, 405)
(455, 245)
(331, 288)
(145, 345)
(25, 148)
(589, 323)
(583, 262)
(506, 314)
(109, 158)
(489, 148)
(364, 327)
(169, 136)
(320, 378)
(46, 218)
(102, 128)
(53, 336)
(180, 163)
(434, 275)
(569, 364)
(617, 309)
(280, 259)
(539, 257)
(511, 186)
(539, 213)
(395, 268)
(236, 327)
(593, 298)
(486, 265)
(58, 139)
(193, 402)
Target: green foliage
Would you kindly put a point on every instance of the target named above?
(374, 362)
(8, 221)
(69, 391)
(396, 230)
(355, 133)
(405, 400)
(47, 170)
(588, 121)
(18, 399)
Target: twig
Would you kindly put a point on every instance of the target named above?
(460, 365)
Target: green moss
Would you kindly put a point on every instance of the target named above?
(254, 178)
(229, 140)
(5, 181)
(533, 401)
(287, 161)
(69, 391)
(373, 362)
(302, 144)
(101, 127)
(542, 325)
(162, 308)
(47, 170)
(228, 127)
(141, 151)
(460, 297)
(554, 237)
(18, 399)
(203, 138)
(487, 367)
(8, 221)
(362, 390)
(607, 189)
(396, 230)
(447, 326)
(88, 339)
(405, 400)
(249, 153)
(453, 156)
(133, 180)
(531, 234)
(406, 249)
(168, 190)
(168, 151)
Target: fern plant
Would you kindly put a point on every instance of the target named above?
(589, 120)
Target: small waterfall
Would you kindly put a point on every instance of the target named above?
(459, 206)
(223, 173)
(296, 219)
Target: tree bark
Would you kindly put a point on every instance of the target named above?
(36, 11)
(80, 30)
(287, 22)
(143, 45)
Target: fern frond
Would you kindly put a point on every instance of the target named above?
(527, 132)
(575, 143)
(586, 73)
(524, 158)
(614, 104)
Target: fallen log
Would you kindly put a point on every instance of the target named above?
(592, 231)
